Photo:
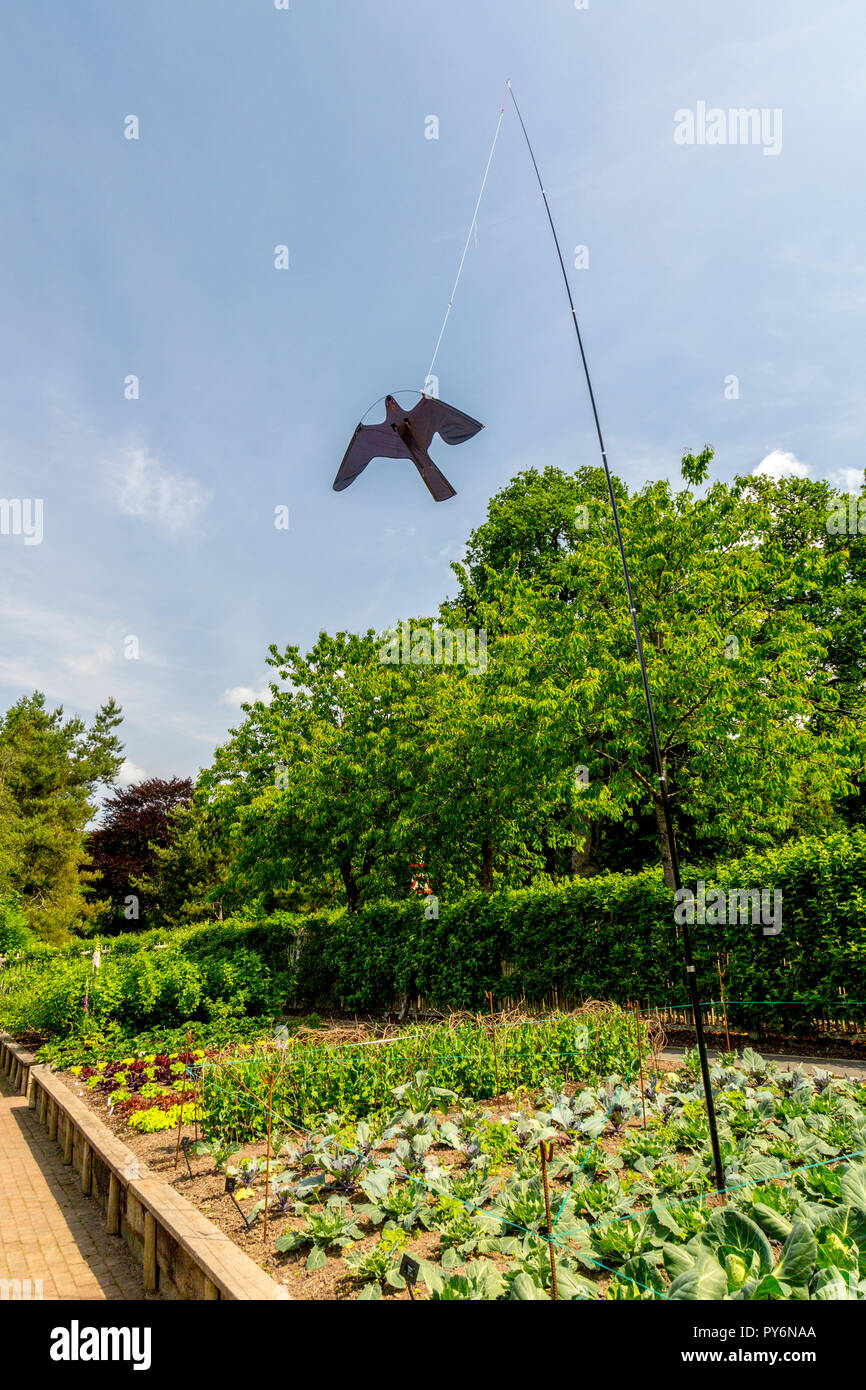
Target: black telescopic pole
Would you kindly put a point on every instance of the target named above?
(656, 748)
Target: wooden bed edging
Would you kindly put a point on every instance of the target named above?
(183, 1254)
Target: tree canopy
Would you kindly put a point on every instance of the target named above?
(135, 821)
(51, 768)
(503, 740)
(360, 766)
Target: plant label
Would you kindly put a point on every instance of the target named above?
(410, 1269)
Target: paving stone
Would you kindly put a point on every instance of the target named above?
(48, 1229)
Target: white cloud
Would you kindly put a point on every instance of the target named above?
(846, 479)
(56, 648)
(143, 488)
(779, 464)
(238, 695)
(90, 663)
(130, 773)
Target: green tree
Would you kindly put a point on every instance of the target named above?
(357, 766)
(311, 787)
(811, 513)
(185, 881)
(51, 768)
(753, 729)
(487, 752)
(15, 935)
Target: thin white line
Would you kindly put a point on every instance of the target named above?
(466, 247)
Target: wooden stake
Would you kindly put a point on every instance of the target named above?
(546, 1152)
(640, 1061)
(724, 1005)
(489, 994)
(195, 1088)
(112, 1216)
(268, 1155)
(179, 1127)
(150, 1272)
(180, 1116)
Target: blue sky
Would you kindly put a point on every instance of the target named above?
(261, 127)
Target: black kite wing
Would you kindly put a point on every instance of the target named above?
(369, 442)
(431, 416)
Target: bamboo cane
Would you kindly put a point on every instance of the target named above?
(179, 1128)
(268, 1156)
(640, 1062)
(546, 1152)
(489, 994)
(197, 1082)
(724, 1005)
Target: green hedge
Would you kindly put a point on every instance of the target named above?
(610, 937)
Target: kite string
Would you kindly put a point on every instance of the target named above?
(466, 247)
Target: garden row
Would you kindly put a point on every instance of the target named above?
(299, 1080)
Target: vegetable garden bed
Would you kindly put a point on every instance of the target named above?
(335, 1201)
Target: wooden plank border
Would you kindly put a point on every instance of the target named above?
(183, 1254)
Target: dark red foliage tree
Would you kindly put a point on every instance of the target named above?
(133, 820)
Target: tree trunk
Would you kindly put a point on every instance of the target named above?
(403, 1009)
(667, 862)
(353, 894)
(487, 866)
(583, 855)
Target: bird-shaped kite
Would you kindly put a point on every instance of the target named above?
(407, 435)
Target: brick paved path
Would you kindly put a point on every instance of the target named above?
(48, 1229)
